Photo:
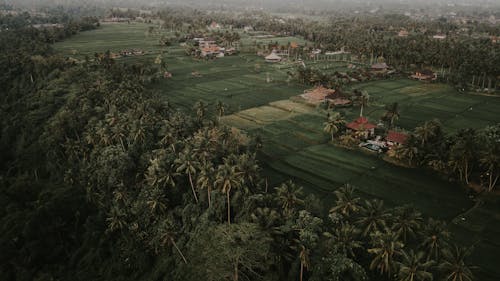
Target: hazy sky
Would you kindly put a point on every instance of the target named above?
(306, 4)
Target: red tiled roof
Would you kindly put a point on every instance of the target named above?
(397, 137)
(361, 124)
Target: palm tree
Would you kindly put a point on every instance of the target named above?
(289, 196)
(463, 153)
(166, 236)
(226, 179)
(187, 164)
(346, 202)
(247, 165)
(304, 260)
(386, 247)
(414, 268)
(373, 217)
(344, 240)
(334, 124)
(454, 266)
(392, 114)
(206, 180)
(220, 107)
(407, 222)
(489, 156)
(200, 109)
(427, 131)
(435, 237)
(363, 101)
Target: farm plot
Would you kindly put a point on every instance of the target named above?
(419, 102)
(327, 167)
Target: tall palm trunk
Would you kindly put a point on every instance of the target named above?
(178, 250)
(493, 182)
(236, 277)
(209, 200)
(301, 270)
(228, 208)
(192, 187)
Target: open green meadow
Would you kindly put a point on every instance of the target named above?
(295, 146)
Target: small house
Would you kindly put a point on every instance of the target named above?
(273, 58)
(396, 138)
(403, 33)
(439, 36)
(214, 26)
(424, 75)
(379, 67)
(362, 127)
(248, 28)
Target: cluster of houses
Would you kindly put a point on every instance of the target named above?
(361, 128)
(209, 48)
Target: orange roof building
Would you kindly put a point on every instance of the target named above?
(394, 138)
(361, 124)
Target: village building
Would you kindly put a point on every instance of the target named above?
(214, 26)
(424, 75)
(379, 67)
(439, 36)
(403, 33)
(273, 58)
(248, 28)
(337, 99)
(495, 39)
(318, 95)
(396, 138)
(362, 127)
(48, 26)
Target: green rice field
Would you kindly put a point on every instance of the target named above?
(295, 146)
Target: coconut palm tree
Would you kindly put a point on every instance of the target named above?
(392, 114)
(304, 260)
(413, 267)
(373, 217)
(406, 222)
(435, 236)
(463, 153)
(220, 107)
(201, 109)
(247, 165)
(345, 240)
(206, 180)
(428, 131)
(386, 247)
(346, 202)
(166, 237)
(187, 164)
(489, 155)
(289, 196)
(334, 124)
(454, 267)
(363, 102)
(227, 179)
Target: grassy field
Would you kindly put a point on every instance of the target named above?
(294, 143)
(420, 102)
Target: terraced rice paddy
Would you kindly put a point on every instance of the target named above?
(295, 145)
